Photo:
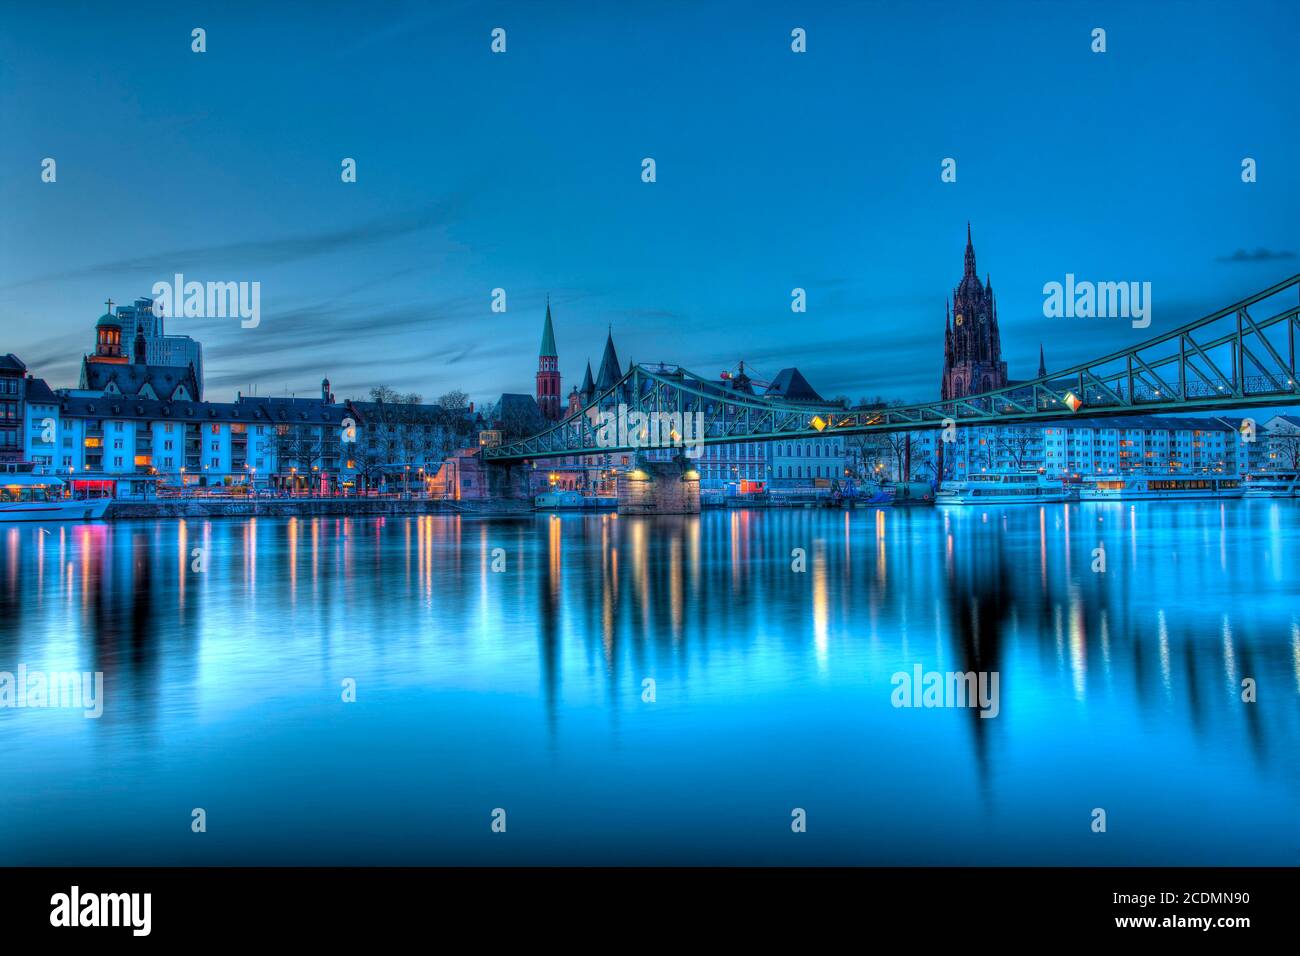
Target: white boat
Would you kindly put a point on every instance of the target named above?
(30, 496)
(1001, 489)
(1282, 484)
(1158, 488)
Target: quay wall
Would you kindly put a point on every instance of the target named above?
(125, 510)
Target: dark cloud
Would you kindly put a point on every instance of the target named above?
(1259, 255)
(255, 253)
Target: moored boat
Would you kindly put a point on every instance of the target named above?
(911, 493)
(1158, 488)
(31, 496)
(573, 501)
(1001, 489)
(1282, 484)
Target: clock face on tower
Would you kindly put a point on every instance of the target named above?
(959, 318)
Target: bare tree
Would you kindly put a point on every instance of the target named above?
(907, 450)
(1017, 444)
(383, 394)
(455, 400)
(367, 461)
(1285, 446)
(300, 447)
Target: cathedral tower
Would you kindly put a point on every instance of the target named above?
(972, 349)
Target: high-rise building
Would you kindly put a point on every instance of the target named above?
(142, 320)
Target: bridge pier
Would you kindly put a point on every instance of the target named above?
(660, 488)
(508, 480)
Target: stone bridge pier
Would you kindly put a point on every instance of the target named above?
(508, 480)
(660, 488)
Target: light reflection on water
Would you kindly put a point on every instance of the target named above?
(522, 689)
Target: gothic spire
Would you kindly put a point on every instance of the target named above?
(1042, 365)
(970, 252)
(609, 370)
(548, 334)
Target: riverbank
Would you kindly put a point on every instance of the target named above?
(126, 510)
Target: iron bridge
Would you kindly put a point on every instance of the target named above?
(1241, 356)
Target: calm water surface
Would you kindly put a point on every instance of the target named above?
(522, 689)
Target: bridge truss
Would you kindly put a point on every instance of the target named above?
(1239, 357)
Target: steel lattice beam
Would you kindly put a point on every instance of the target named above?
(1173, 372)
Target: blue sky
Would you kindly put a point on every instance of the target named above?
(522, 171)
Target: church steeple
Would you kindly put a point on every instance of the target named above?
(548, 334)
(1042, 365)
(970, 253)
(548, 371)
(108, 339)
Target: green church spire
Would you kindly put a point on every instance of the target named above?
(548, 334)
